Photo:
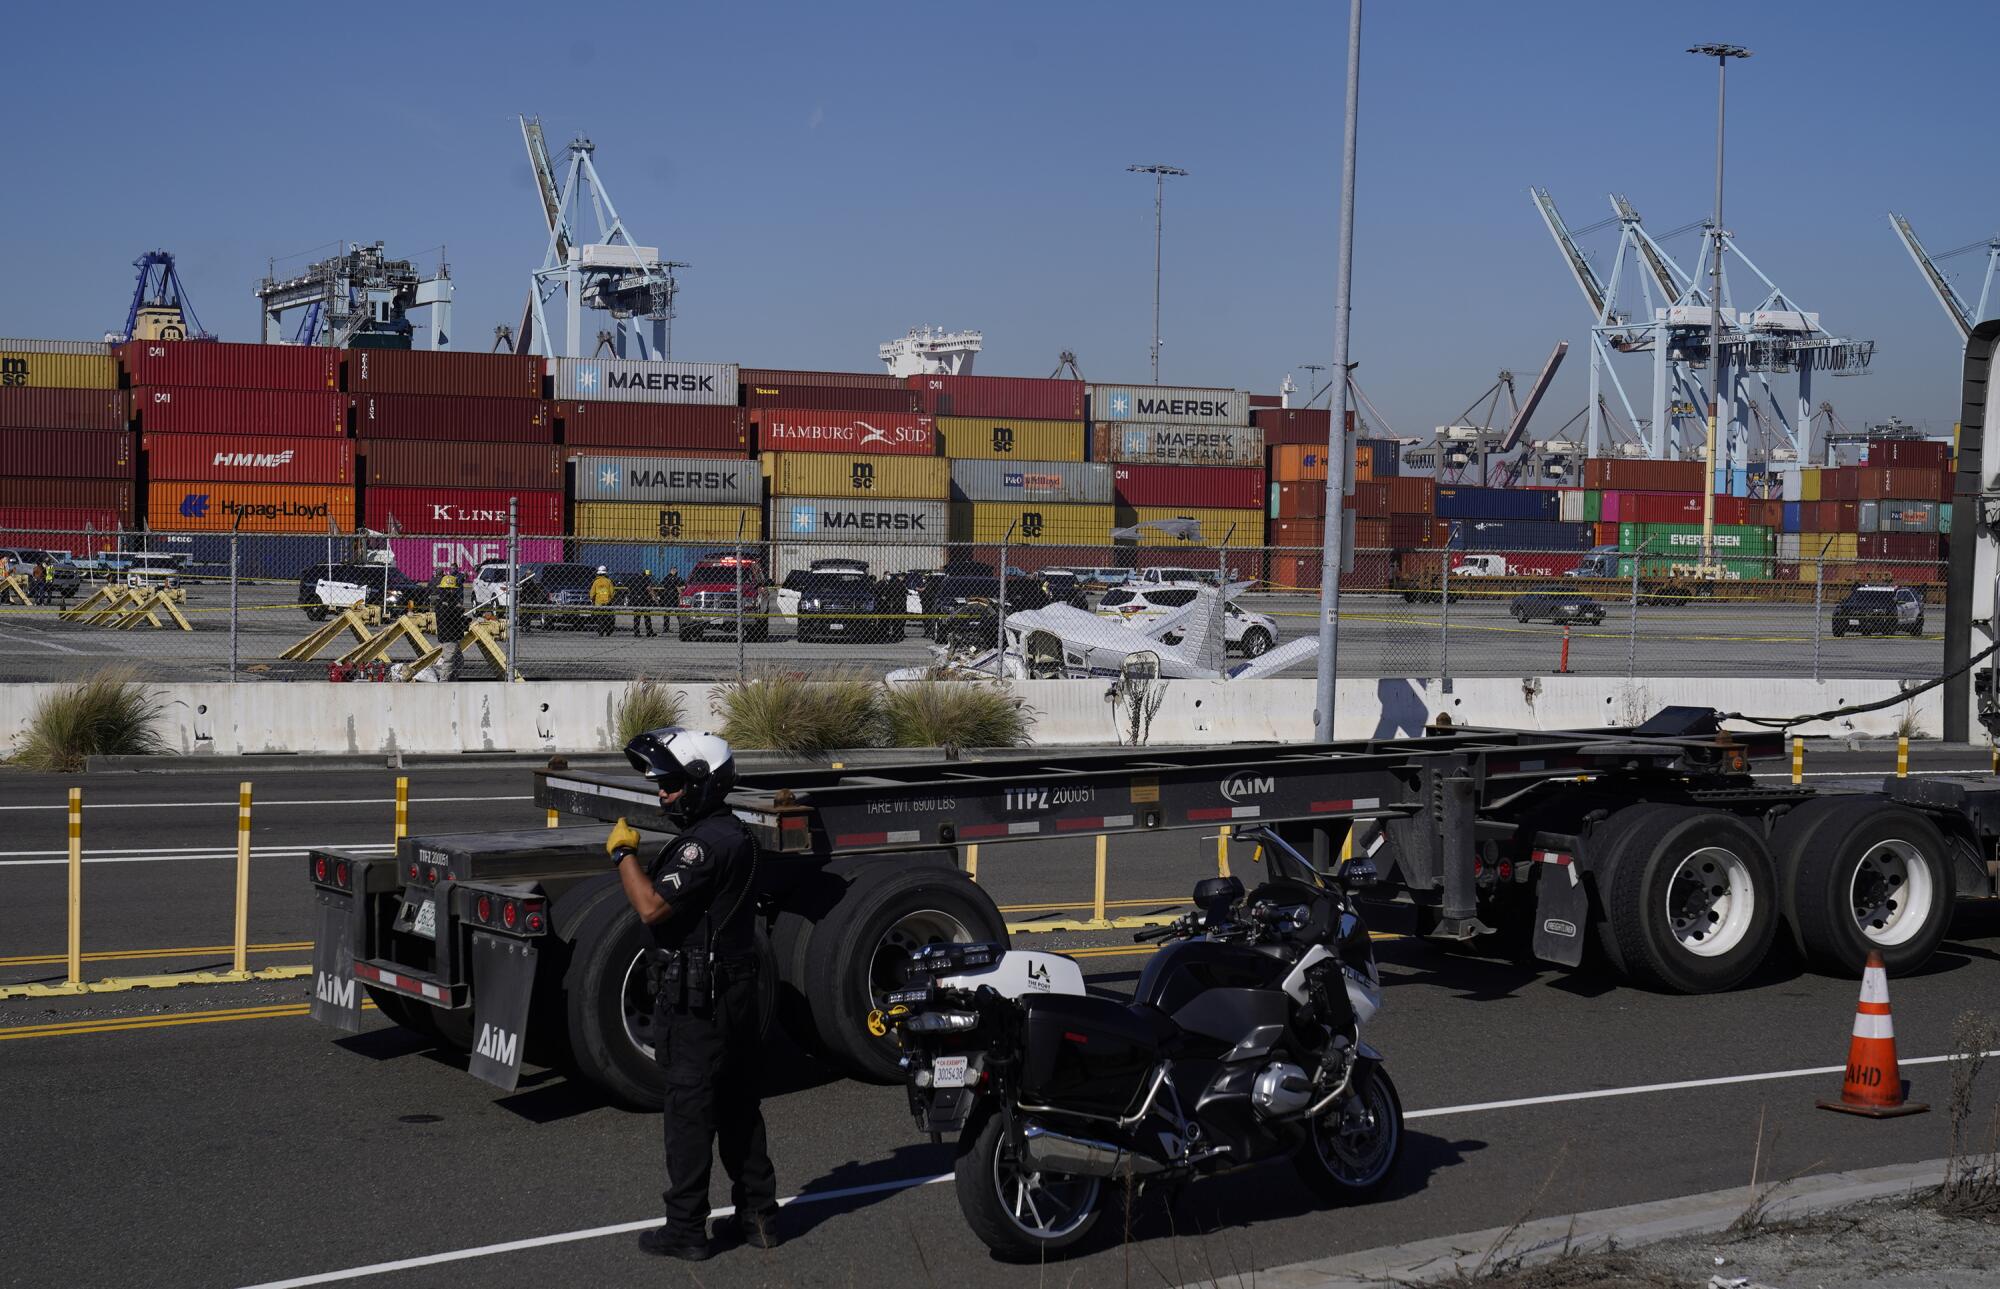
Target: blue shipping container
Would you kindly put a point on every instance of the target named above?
(261, 557)
(1387, 456)
(1520, 535)
(1454, 502)
(1790, 523)
(623, 559)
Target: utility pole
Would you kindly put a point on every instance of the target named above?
(1160, 174)
(1721, 54)
(1336, 434)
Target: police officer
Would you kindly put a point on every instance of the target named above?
(698, 900)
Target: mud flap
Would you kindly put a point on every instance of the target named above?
(336, 1000)
(1562, 911)
(503, 976)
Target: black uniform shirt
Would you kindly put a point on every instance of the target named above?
(705, 874)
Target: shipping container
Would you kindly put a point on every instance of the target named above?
(1412, 495)
(1521, 535)
(212, 365)
(622, 559)
(1733, 569)
(228, 458)
(1144, 444)
(425, 557)
(832, 474)
(1266, 400)
(249, 507)
(25, 346)
(26, 369)
(1003, 396)
(68, 494)
(1219, 525)
(1627, 475)
(1913, 516)
(825, 379)
(1458, 502)
(434, 417)
(1874, 483)
(1842, 484)
(443, 373)
(1364, 462)
(1786, 547)
(1828, 547)
(794, 557)
(1385, 456)
(1016, 525)
(61, 528)
(862, 523)
(667, 479)
(672, 522)
(195, 409)
(662, 427)
(1298, 534)
(1681, 508)
(1570, 504)
(1232, 487)
(1833, 517)
(1292, 500)
(72, 454)
(1792, 519)
(634, 380)
(1408, 531)
(1168, 404)
(63, 409)
(1301, 573)
(1043, 482)
(416, 463)
(1593, 507)
(999, 439)
(1810, 487)
(1369, 500)
(1680, 539)
(1371, 534)
(1307, 425)
(849, 398)
(785, 429)
(1792, 486)
(1242, 564)
(1924, 454)
(453, 512)
(1297, 462)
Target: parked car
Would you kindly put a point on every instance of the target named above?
(1880, 610)
(1143, 603)
(1170, 576)
(326, 588)
(555, 595)
(64, 576)
(153, 569)
(1556, 604)
(836, 603)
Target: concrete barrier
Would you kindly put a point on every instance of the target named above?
(581, 716)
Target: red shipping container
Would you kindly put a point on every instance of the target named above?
(69, 494)
(73, 454)
(1298, 532)
(1931, 454)
(785, 429)
(80, 532)
(63, 409)
(1895, 482)
(1767, 514)
(1018, 396)
(420, 371)
(1295, 424)
(411, 463)
(1626, 475)
(1412, 496)
(1300, 500)
(227, 458)
(214, 365)
(1267, 400)
(1369, 500)
(1680, 508)
(1301, 573)
(1842, 484)
(461, 512)
(1413, 532)
(1898, 546)
(1225, 487)
(1835, 516)
(483, 420)
(1947, 482)
(664, 427)
(1371, 534)
(823, 379)
(1607, 535)
(187, 409)
(842, 398)
(1539, 564)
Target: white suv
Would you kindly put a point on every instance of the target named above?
(1251, 634)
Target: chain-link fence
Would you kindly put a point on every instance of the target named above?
(268, 607)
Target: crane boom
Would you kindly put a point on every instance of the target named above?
(1669, 289)
(1579, 267)
(1535, 392)
(1961, 317)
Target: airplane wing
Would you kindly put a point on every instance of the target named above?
(1277, 659)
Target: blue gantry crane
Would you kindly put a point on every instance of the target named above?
(160, 308)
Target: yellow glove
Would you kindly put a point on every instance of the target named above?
(623, 837)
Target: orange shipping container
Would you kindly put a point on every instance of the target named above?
(1369, 500)
(1607, 534)
(1296, 462)
(1364, 463)
(262, 507)
(1309, 533)
(1299, 500)
(1295, 572)
(1371, 534)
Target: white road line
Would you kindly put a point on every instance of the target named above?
(231, 803)
(621, 1228)
(570, 1237)
(42, 644)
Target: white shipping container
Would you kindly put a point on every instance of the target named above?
(1169, 405)
(85, 347)
(1151, 444)
(633, 380)
(1793, 485)
(1077, 482)
(858, 523)
(1569, 506)
(682, 479)
(1788, 548)
(792, 557)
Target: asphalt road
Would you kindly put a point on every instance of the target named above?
(214, 1136)
(1381, 636)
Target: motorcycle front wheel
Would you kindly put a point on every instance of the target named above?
(1350, 1152)
(1021, 1216)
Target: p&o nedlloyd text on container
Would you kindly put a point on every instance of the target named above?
(1168, 405)
(656, 479)
(1081, 482)
(635, 380)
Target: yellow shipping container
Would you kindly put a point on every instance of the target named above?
(834, 474)
(1809, 485)
(996, 438)
(667, 522)
(57, 371)
(1837, 546)
(1216, 525)
(1032, 525)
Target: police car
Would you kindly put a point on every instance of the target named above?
(1140, 604)
(1880, 610)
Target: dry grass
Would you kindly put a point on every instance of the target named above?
(648, 705)
(953, 715)
(107, 715)
(785, 713)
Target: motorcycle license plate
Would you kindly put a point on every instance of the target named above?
(949, 1071)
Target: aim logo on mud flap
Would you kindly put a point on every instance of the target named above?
(335, 989)
(496, 1044)
(1237, 787)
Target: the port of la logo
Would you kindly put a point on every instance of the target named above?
(586, 378)
(864, 475)
(805, 519)
(1003, 438)
(670, 523)
(608, 477)
(1121, 405)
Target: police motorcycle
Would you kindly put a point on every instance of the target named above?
(1242, 1044)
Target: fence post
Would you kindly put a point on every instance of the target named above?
(513, 589)
(402, 808)
(741, 667)
(75, 976)
(1819, 599)
(1444, 617)
(235, 538)
(1000, 628)
(1632, 630)
(242, 939)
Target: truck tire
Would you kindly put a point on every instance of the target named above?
(1861, 874)
(1690, 897)
(856, 951)
(609, 1008)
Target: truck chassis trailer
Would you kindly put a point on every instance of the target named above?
(1647, 851)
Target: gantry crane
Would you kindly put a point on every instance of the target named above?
(160, 308)
(1962, 316)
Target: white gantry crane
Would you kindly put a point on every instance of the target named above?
(1669, 321)
(1964, 317)
(358, 291)
(933, 351)
(609, 272)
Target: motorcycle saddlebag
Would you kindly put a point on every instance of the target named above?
(1089, 1055)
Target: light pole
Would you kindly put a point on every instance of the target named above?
(1160, 174)
(1336, 435)
(1721, 54)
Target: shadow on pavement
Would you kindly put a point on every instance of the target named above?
(916, 1160)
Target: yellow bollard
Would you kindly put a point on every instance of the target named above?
(1222, 851)
(972, 861)
(242, 942)
(1347, 844)
(75, 887)
(1097, 903)
(1995, 748)
(1798, 760)
(402, 808)
(1902, 757)
(552, 818)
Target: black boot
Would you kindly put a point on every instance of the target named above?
(661, 1244)
(758, 1230)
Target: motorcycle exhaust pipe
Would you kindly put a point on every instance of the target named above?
(1044, 1151)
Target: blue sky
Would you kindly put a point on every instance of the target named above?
(838, 173)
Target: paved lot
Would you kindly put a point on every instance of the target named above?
(156, 1142)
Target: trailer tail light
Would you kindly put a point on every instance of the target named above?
(340, 874)
(510, 914)
(484, 909)
(1506, 871)
(334, 873)
(319, 868)
(413, 872)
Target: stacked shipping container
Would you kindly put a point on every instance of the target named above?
(66, 460)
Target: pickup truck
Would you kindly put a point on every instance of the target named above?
(709, 599)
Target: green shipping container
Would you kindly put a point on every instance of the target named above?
(1684, 540)
(1732, 569)
(1593, 507)
(1944, 516)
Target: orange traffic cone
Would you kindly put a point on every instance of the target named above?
(1873, 1085)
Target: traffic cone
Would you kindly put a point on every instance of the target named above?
(1873, 1085)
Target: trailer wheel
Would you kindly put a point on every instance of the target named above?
(548, 1020)
(1690, 898)
(1862, 874)
(400, 1010)
(856, 952)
